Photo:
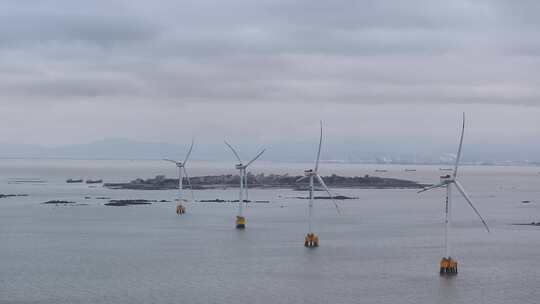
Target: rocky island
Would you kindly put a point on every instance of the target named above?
(528, 224)
(58, 202)
(129, 202)
(263, 181)
(62, 203)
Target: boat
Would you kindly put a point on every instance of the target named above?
(381, 170)
(71, 181)
(410, 170)
(94, 181)
(446, 169)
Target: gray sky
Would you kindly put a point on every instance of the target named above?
(266, 72)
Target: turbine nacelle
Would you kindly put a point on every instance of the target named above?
(447, 179)
(243, 179)
(309, 172)
(313, 174)
(181, 165)
(451, 179)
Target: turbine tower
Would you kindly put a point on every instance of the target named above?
(180, 209)
(448, 265)
(240, 219)
(312, 240)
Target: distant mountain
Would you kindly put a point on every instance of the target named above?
(400, 152)
(101, 149)
(22, 150)
(118, 148)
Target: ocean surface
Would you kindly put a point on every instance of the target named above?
(384, 248)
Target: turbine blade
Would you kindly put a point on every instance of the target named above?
(462, 191)
(431, 187)
(170, 160)
(319, 151)
(301, 179)
(321, 181)
(189, 152)
(233, 151)
(189, 184)
(458, 156)
(255, 158)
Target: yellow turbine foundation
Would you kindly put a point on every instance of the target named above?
(448, 266)
(240, 222)
(180, 209)
(311, 240)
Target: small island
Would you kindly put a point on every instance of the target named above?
(263, 181)
(219, 200)
(63, 203)
(335, 197)
(58, 202)
(528, 224)
(133, 202)
(129, 202)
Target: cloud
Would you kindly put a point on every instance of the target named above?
(133, 68)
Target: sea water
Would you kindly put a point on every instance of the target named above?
(385, 247)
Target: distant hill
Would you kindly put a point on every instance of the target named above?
(398, 152)
(111, 148)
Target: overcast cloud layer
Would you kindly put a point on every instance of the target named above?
(267, 71)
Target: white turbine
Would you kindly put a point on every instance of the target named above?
(240, 219)
(311, 239)
(181, 165)
(449, 265)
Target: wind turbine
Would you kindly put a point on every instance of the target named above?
(311, 239)
(180, 209)
(240, 219)
(448, 265)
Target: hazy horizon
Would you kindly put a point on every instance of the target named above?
(301, 151)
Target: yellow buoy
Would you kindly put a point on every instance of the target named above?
(240, 222)
(448, 266)
(180, 209)
(311, 240)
